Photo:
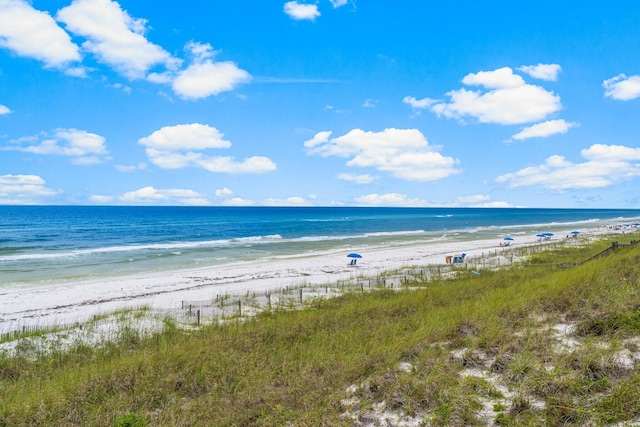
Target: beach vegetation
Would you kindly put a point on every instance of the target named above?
(531, 344)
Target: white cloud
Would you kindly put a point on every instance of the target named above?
(34, 34)
(101, 200)
(194, 136)
(544, 129)
(418, 103)
(126, 89)
(404, 153)
(494, 205)
(339, 3)
(370, 103)
(150, 195)
(85, 148)
(224, 192)
(4, 110)
(605, 166)
(506, 99)
(389, 199)
(291, 201)
(476, 201)
(357, 179)
(255, 164)
(622, 88)
(131, 168)
(24, 190)
(114, 37)
(174, 147)
(237, 201)
(496, 79)
(300, 11)
(204, 77)
(547, 72)
(318, 139)
(467, 200)
(602, 152)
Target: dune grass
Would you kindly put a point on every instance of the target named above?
(468, 350)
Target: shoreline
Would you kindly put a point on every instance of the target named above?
(79, 301)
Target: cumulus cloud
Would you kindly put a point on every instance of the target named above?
(547, 72)
(290, 201)
(176, 147)
(505, 98)
(24, 190)
(224, 192)
(150, 195)
(544, 129)
(418, 103)
(193, 136)
(114, 37)
(131, 168)
(4, 110)
(404, 153)
(390, 199)
(339, 3)
(34, 34)
(204, 77)
(357, 179)
(84, 147)
(301, 11)
(622, 88)
(605, 166)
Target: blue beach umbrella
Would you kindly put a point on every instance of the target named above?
(575, 232)
(541, 235)
(354, 256)
(547, 234)
(508, 238)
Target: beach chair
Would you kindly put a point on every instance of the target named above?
(459, 259)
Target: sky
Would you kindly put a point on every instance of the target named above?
(411, 103)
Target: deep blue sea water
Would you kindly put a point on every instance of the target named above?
(43, 244)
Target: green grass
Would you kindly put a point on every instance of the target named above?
(294, 367)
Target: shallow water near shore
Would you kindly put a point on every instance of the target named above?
(40, 245)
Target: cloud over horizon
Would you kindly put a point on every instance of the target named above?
(605, 165)
(24, 190)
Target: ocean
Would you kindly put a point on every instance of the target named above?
(42, 245)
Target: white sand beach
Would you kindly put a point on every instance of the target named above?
(79, 301)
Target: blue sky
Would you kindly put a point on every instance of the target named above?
(325, 103)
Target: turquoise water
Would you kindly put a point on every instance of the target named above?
(43, 244)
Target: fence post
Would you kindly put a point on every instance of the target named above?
(269, 300)
(300, 295)
(198, 314)
(240, 307)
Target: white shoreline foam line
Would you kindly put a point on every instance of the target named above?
(80, 301)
